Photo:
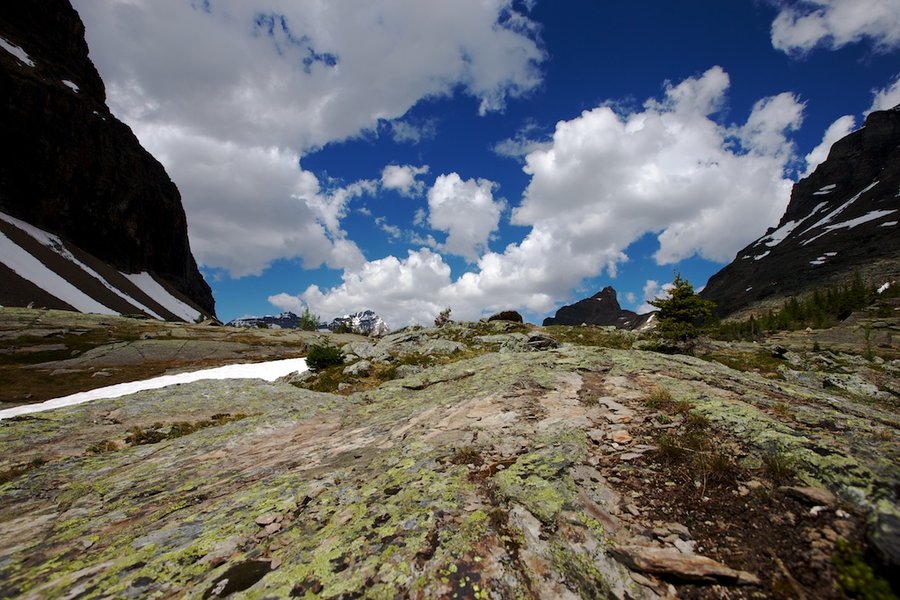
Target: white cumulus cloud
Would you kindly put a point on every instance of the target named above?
(229, 95)
(521, 144)
(886, 98)
(766, 128)
(802, 25)
(654, 291)
(671, 169)
(603, 180)
(406, 132)
(401, 291)
(837, 130)
(250, 205)
(403, 179)
(466, 211)
(286, 302)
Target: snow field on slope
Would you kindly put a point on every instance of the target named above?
(30, 268)
(56, 244)
(16, 51)
(153, 289)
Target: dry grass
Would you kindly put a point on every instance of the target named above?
(778, 466)
(658, 398)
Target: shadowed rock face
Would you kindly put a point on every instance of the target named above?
(68, 166)
(843, 217)
(600, 309)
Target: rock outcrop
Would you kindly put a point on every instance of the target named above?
(69, 167)
(506, 315)
(578, 471)
(842, 218)
(600, 309)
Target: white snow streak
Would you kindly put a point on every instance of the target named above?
(153, 289)
(875, 214)
(56, 244)
(30, 268)
(17, 52)
(763, 255)
(270, 371)
(818, 207)
(777, 236)
(884, 287)
(889, 223)
(71, 85)
(838, 210)
(47, 239)
(825, 190)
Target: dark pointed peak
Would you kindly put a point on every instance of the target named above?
(607, 292)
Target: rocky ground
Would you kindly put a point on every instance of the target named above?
(489, 460)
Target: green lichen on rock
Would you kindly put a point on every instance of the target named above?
(539, 480)
(472, 475)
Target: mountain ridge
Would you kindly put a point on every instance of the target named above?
(600, 309)
(841, 218)
(70, 168)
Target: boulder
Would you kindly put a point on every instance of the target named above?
(358, 369)
(506, 315)
(673, 564)
(540, 341)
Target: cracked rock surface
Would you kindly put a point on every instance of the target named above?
(549, 473)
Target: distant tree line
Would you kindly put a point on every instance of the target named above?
(822, 309)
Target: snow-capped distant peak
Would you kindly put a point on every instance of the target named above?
(365, 321)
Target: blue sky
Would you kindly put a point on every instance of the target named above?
(407, 155)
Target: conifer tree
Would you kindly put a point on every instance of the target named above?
(683, 313)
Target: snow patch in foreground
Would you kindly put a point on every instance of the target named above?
(270, 371)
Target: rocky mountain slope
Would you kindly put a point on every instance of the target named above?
(843, 217)
(475, 460)
(40, 269)
(69, 167)
(600, 309)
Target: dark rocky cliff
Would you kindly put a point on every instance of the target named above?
(600, 309)
(842, 218)
(68, 166)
